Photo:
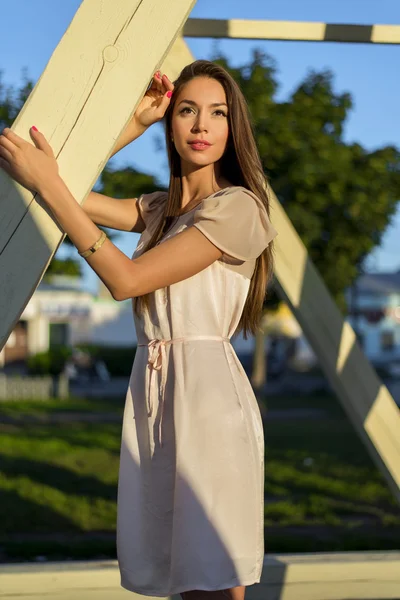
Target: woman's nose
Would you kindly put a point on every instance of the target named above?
(200, 124)
(199, 128)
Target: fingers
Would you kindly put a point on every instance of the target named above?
(7, 147)
(162, 83)
(40, 142)
(158, 82)
(164, 104)
(6, 154)
(169, 86)
(10, 136)
(154, 85)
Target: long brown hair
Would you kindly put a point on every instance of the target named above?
(240, 164)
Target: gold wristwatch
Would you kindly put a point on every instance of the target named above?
(95, 246)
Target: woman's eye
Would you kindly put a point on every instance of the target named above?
(221, 112)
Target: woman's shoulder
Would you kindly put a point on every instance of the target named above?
(227, 190)
(236, 221)
(151, 204)
(234, 190)
(234, 198)
(153, 197)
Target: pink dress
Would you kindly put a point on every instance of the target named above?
(191, 479)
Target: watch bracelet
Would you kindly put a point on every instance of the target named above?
(92, 249)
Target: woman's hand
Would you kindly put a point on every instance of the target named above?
(150, 110)
(33, 166)
(155, 102)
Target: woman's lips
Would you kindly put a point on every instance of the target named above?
(199, 146)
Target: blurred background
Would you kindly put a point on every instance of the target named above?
(327, 127)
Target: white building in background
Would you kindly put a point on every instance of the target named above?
(62, 313)
(374, 312)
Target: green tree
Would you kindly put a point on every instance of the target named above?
(126, 183)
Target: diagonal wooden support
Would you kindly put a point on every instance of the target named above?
(366, 400)
(84, 98)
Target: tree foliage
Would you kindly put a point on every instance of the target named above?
(127, 183)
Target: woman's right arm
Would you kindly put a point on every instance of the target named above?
(111, 212)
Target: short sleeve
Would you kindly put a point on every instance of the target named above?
(151, 207)
(237, 222)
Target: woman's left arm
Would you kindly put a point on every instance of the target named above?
(35, 167)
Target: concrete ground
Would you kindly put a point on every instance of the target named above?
(322, 576)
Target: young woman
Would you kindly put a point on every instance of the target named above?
(191, 481)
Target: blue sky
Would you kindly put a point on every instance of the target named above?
(31, 29)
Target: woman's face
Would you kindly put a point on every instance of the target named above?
(200, 113)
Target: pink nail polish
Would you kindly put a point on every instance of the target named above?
(169, 94)
(35, 128)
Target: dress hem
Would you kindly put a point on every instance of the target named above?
(146, 592)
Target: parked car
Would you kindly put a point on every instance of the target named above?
(83, 367)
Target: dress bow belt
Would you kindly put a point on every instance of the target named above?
(156, 361)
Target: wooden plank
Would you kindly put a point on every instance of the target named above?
(289, 577)
(177, 58)
(84, 98)
(306, 31)
(366, 400)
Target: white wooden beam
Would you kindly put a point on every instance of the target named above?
(306, 31)
(177, 58)
(84, 98)
(364, 397)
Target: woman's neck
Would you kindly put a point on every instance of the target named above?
(199, 184)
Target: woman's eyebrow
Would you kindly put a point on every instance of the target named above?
(194, 103)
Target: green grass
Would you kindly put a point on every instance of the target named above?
(317, 400)
(58, 483)
(319, 472)
(59, 478)
(17, 408)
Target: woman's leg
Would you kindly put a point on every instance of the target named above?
(235, 593)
